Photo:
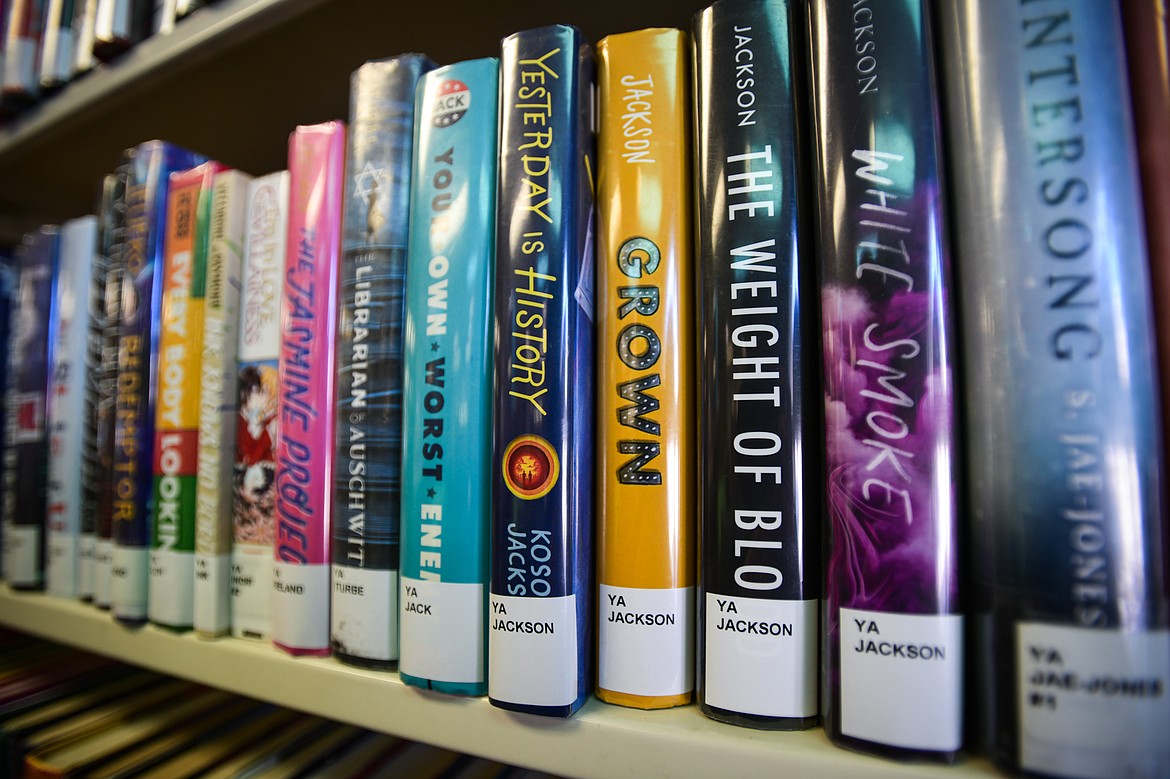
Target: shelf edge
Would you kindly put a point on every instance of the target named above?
(600, 741)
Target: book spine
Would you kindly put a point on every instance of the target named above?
(162, 22)
(171, 595)
(91, 473)
(540, 637)
(646, 459)
(5, 18)
(367, 483)
(84, 19)
(447, 382)
(304, 449)
(22, 40)
(56, 55)
(1147, 39)
(66, 405)
(185, 7)
(26, 460)
(257, 424)
(759, 427)
(1067, 510)
(888, 346)
(113, 247)
(119, 25)
(217, 405)
(8, 281)
(151, 164)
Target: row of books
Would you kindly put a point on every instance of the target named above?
(532, 404)
(45, 44)
(67, 713)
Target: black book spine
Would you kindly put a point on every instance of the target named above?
(759, 424)
(368, 481)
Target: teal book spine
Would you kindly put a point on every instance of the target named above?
(447, 382)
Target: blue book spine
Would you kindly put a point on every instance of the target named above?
(367, 480)
(447, 382)
(26, 458)
(540, 636)
(1066, 469)
(151, 165)
(759, 426)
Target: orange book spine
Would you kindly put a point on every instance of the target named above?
(645, 393)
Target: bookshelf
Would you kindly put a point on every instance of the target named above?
(232, 81)
(599, 741)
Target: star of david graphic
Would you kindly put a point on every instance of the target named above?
(369, 181)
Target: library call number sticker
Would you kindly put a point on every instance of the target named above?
(1093, 703)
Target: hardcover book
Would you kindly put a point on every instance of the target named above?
(540, 637)
(163, 20)
(267, 751)
(66, 404)
(367, 480)
(119, 25)
(447, 382)
(151, 164)
(893, 627)
(5, 13)
(113, 248)
(171, 598)
(257, 425)
(93, 478)
(1147, 41)
(205, 752)
(69, 712)
(55, 66)
(88, 743)
(26, 458)
(1066, 470)
(84, 19)
(22, 37)
(8, 281)
(306, 381)
(759, 424)
(217, 404)
(143, 754)
(647, 490)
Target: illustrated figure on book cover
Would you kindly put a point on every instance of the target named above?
(256, 453)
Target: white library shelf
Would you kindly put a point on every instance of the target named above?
(599, 741)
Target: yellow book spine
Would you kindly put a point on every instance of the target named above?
(646, 372)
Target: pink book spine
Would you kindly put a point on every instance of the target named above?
(304, 451)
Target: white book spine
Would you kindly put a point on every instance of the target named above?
(66, 405)
(217, 405)
(253, 477)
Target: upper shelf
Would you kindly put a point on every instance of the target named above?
(235, 78)
(599, 741)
